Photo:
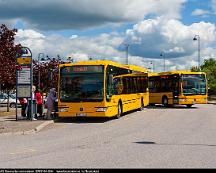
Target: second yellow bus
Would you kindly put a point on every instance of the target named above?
(178, 87)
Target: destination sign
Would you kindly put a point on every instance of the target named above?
(83, 69)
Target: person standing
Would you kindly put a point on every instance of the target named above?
(39, 102)
(50, 102)
(23, 102)
(32, 109)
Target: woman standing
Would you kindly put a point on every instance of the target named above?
(50, 102)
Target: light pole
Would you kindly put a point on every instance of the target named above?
(152, 65)
(58, 58)
(163, 55)
(127, 50)
(39, 68)
(151, 62)
(197, 38)
(70, 60)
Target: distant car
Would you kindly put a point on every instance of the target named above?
(4, 100)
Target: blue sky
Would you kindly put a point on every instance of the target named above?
(192, 5)
(100, 28)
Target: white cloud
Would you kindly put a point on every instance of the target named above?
(200, 12)
(25, 34)
(101, 46)
(73, 36)
(73, 14)
(214, 5)
(149, 37)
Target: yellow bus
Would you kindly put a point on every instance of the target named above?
(178, 87)
(96, 89)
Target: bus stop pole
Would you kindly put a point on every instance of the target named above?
(16, 96)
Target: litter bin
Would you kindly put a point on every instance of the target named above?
(34, 109)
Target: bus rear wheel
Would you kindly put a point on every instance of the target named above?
(189, 106)
(165, 101)
(119, 110)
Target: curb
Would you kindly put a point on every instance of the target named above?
(212, 102)
(41, 126)
(27, 132)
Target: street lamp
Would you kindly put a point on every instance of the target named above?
(39, 68)
(197, 38)
(151, 62)
(70, 60)
(152, 65)
(58, 58)
(127, 50)
(163, 55)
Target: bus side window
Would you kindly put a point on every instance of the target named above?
(125, 87)
(132, 85)
(127, 83)
(135, 84)
(145, 84)
(138, 84)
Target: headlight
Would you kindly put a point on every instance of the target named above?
(102, 109)
(182, 100)
(63, 110)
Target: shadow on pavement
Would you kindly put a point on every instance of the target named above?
(154, 143)
(81, 120)
(171, 107)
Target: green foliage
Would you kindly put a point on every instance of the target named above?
(209, 66)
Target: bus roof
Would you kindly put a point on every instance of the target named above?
(137, 68)
(106, 62)
(175, 72)
(132, 75)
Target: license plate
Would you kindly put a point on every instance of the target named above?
(194, 103)
(81, 115)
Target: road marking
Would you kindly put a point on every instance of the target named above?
(23, 151)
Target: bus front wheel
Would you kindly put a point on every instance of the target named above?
(189, 106)
(142, 105)
(165, 101)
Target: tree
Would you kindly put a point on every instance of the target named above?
(209, 66)
(48, 74)
(8, 51)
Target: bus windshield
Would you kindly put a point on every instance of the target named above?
(82, 84)
(194, 84)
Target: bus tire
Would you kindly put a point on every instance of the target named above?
(142, 105)
(165, 101)
(119, 110)
(189, 106)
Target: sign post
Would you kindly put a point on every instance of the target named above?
(24, 77)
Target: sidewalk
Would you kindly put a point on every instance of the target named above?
(212, 100)
(9, 125)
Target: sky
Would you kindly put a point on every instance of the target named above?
(155, 30)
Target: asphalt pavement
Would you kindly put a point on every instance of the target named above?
(9, 125)
(158, 137)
